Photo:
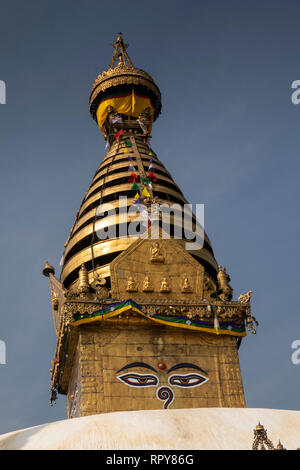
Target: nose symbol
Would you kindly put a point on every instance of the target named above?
(165, 394)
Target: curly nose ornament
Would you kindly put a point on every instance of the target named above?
(165, 394)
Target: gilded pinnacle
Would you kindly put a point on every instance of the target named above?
(48, 269)
(120, 52)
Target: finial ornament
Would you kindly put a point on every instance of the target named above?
(48, 269)
(261, 439)
(280, 446)
(120, 52)
(84, 285)
(262, 442)
(223, 283)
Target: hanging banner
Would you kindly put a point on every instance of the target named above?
(130, 104)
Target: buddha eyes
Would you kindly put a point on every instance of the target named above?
(139, 380)
(189, 380)
(148, 380)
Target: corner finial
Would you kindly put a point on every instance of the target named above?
(84, 285)
(120, 52)
(280, 446)
(48, 269)
(261, 439)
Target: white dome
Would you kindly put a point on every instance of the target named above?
(201, 428)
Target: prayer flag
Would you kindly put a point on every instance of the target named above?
(116, 119)
(118, 134)
(145, 193)
(152, 176)
(133, 178)
(127, 143)
(135, 187)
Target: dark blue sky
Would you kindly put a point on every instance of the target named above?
(228, 133)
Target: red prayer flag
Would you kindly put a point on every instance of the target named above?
(118, 134)
(133, 178)
(152, 176)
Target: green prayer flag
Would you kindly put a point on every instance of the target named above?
(127, 143)
(145, 180)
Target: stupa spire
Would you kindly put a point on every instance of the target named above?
(124, 89)
(120, 52)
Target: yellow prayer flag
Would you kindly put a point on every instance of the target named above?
(145, 193)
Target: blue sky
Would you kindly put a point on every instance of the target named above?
(228, 133)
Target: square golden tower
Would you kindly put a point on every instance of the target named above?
(141, 322)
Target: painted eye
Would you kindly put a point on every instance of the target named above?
(139, 380)
(189, 380)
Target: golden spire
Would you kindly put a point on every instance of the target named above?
(115, 78)
(112, 178)
(120, 52)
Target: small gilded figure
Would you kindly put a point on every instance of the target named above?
(156, 255)
(147, 286)
(131, 286)
(186, 286)
(164, 285)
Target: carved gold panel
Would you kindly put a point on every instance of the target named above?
(156, 269)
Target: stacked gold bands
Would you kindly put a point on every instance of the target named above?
(109, 189)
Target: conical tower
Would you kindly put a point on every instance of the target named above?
(142, 321)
